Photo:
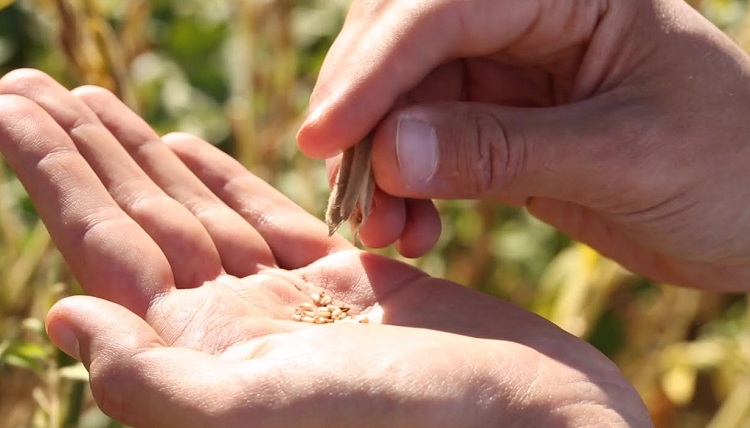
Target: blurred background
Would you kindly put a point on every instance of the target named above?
(238, 73)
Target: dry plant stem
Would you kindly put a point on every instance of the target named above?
(351, 196)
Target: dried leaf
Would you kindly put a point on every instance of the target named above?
(351, 196)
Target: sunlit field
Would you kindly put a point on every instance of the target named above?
(239, 73)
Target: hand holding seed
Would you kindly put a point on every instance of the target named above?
(603, 118)
(351, 196)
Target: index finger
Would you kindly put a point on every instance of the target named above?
(386, 48)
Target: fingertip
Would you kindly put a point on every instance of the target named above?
(335, 125)
(315, 139)
(85, 326)
(93, 93)
(386, 221)
(421, 229)
(181, 138)
(61, 331)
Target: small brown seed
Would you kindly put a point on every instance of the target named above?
(344, 309)
(364, 320)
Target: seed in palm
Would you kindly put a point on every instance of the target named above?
(321, 310)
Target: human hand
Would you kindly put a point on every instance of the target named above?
(198, 265)
(623, 124)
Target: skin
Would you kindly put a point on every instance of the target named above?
(621, 123)
(193, 267)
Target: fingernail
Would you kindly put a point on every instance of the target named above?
(417, 151)
(313, 116)
(62, 336)
(308, 132)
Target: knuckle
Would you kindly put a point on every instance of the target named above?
(491, 162)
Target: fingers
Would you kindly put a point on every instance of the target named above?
(242, 249)
(413, 224)
(422, 228)
(387, 47)
(103, 246)
(295, 237)
(181, 237)
(385, 222)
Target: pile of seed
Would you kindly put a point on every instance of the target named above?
(321, 310)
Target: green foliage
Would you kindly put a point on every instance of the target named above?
(238, 73)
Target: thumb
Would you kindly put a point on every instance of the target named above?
(470, 150)
(135, 378)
